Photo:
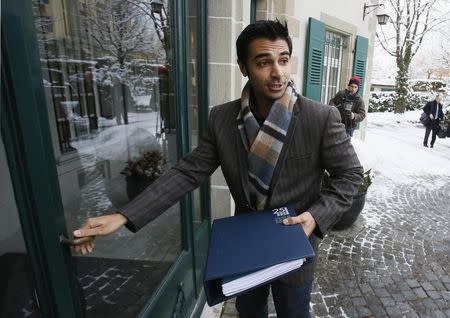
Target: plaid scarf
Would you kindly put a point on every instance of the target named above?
(264, 143)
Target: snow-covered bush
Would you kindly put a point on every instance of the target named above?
(381, 102)
(384, 101)
(417, 100)
(420, 91)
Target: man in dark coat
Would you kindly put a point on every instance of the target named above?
(350, 104)
(273, 146)
(434, 110)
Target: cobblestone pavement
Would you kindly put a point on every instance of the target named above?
(393, 262)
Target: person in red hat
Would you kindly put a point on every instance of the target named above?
(350, 105)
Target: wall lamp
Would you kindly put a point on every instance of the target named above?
(382, 18)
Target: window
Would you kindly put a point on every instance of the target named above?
(324, 61)
(332, 65)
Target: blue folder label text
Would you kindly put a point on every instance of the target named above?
(281, 214)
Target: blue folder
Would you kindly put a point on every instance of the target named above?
(249, 242)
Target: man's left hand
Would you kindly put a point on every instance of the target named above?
(353, 115)
(305, 219)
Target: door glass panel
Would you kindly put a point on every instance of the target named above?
(193, 102)
(200, 224)
(107, 75)
(17, 293)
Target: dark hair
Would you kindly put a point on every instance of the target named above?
(266, 29)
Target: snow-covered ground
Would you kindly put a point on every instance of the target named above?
(393, 148)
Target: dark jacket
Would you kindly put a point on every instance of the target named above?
(315, 141)
(430, 108)
(358, 107)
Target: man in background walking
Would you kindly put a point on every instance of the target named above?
(434, 110)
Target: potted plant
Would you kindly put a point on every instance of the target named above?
(349, 217)
(141, 172)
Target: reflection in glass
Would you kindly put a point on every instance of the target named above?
(193, 103)
(107, 74)
(199, 218)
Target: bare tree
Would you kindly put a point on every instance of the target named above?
(160, 18)
(118, 28)
(412, 21)
(444, 58)
(425, 65)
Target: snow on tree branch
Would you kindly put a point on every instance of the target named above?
(411, 22)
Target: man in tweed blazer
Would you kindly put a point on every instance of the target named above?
(296, 138)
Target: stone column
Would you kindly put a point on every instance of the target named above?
(226, 20)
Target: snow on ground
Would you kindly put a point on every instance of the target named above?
(120, 142)
(393, 148)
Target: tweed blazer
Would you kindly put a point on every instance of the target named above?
(316, 140)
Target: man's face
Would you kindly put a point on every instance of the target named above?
(439, 99)
(353, 89)
(268, 68)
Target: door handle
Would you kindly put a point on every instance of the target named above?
(76, 241)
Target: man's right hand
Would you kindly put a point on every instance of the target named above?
(431, 116)
(102, 225)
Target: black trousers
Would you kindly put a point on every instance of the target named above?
(433, 126)
(289, 301)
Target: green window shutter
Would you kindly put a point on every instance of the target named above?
(360, 60)
(315, 47)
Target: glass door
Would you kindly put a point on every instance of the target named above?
(107, 70)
